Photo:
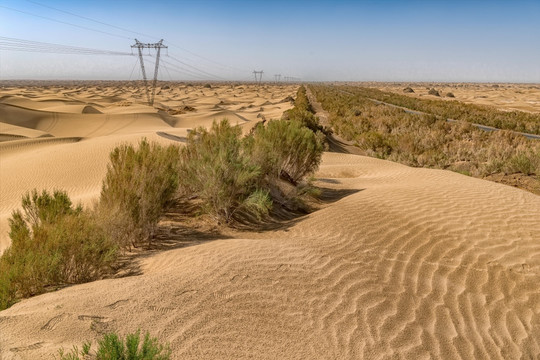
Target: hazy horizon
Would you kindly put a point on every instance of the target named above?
(396, 41)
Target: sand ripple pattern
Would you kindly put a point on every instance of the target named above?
(403, 263)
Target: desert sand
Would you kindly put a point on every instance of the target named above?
(397, 262)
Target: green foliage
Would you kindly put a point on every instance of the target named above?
(52, 243)
(285, 149)
(479, 114)
(303, 112)
(428, 140)
(521, 163)
(216, 169)
(113, 347)
(139, 184)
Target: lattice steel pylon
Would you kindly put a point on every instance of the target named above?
(140, 46)
(258, 76)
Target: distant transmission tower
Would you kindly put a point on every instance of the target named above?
(140, 46)
(277, 77)
(258, 79)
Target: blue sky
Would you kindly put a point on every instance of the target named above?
(476, 40)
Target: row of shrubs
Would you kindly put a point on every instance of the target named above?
(54, 243)
(453, 109)
(426, 140)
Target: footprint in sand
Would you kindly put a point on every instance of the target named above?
(51, 324)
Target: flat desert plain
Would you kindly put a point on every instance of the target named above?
(396, 262)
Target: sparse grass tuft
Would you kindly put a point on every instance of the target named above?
(113, 347)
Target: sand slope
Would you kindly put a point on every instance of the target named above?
(400, 263)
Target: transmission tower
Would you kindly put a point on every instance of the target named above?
(258, 79)
(277, 77)
(140, 46)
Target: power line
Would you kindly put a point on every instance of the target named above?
(14, 44)
(90, 19)
(116, 27)
(195, 68)
(65, 22)
(121, 36)
(178, 70)
(187, 71)
(204, 58)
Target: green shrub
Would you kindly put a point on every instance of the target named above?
(112, 347)
(285, 149)
(216, 169)
(428, 140)
(303, 112)
(520, 163)
(139, 184)
(52, 243)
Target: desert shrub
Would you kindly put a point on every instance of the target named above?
(428, 140)
(303, 112)
(480, 114)
(449, 94)
(113, 347)
(520, 163)
(52, 243)
(377, 143)
(408, 89)
(207, 86)
(285, 149)
(306, 118)
(139, 184)
(433, 92)
(215, 168)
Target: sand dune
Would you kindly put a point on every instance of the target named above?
(57, 137)
(398, 263)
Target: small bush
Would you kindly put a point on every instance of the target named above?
(216, 169)
(285, 149)
(52, 243)
(408, 89)
(139, 184)
(520, 163)
(433, 92)
(112, 347)
(451, 95)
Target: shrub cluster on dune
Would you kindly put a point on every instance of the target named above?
(453, 109)
(54, 243)
(428, 140)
